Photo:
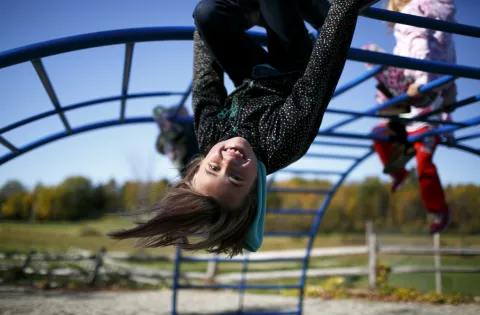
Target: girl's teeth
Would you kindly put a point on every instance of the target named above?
(235, 151)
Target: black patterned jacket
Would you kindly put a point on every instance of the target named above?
(279, 114)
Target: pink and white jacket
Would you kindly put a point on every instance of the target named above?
(426, 44)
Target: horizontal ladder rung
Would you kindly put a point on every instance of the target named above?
(311, 172)
(331, 156)
(238, 287)
(341, 144)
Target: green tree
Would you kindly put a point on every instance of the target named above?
(17, 206)
(74, 200)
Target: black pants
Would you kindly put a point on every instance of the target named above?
(222, 25)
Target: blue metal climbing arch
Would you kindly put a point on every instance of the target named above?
(35, 53)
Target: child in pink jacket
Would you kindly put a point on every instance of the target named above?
(426, 44)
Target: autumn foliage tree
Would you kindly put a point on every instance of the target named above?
(354, 203)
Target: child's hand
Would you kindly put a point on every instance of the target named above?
(413, 91)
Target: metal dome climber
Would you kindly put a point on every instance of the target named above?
(34, 53)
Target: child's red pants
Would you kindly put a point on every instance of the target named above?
(431, 189)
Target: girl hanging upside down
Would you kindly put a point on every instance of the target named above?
(266, 124)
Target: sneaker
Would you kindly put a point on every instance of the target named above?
(398, 181)
(157, 115)
(399, 158)
(441, 222)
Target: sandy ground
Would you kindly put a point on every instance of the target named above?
(195, 302)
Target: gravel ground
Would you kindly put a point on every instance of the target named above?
(195, 302)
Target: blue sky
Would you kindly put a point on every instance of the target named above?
(127, 153)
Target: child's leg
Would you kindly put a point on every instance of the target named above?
(222, 25)
(431, 189)
(384, 151)
(314, 11)
(289, 45)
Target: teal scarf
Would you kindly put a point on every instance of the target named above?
(254, 237)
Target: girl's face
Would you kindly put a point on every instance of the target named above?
(228, 172)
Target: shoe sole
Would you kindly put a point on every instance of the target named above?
(445, 227)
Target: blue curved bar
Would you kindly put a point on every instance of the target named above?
(416, 64)
(401, 18)
(318, 220)
(84, 104)
(129, 37)
(364, 77)
(78, 42)
(469, 137)
(424, 117)
(437, 131)
(396, 100)
(111, 123)
(60, 135)
(91, 40)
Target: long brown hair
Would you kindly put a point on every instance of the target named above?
(185, 215)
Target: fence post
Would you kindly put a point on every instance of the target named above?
(437, 262)
(27, 261)
(212, 270)
(372, 255)
(98, 263)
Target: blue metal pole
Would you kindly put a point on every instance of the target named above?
(99, 39)
(469, 137)
(243, 282)
(86, 104)
(364, 77)
(91, 40)
(341, 144)
(396, 100)
(8, 145)
(423, 22)
(316, 225)
(47, 84)
(437, 131)
(127, 67)
(176, 276)
(423, 117)
(360, 114)
(412, 63)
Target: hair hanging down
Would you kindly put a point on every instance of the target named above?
(184, 215)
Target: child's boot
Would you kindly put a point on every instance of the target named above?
(440, 222)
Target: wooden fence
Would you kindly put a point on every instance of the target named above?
(109, 264)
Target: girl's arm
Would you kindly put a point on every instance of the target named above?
(294, 126)
(208, 95)
(426, 44)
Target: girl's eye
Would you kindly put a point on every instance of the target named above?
(214, 168)
(235, 177)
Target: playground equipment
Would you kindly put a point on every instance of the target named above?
(34, 54)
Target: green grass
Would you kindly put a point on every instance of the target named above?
(60, 237)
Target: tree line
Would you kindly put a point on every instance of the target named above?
(77, 198)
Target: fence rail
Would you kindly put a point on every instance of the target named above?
(116, 264)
